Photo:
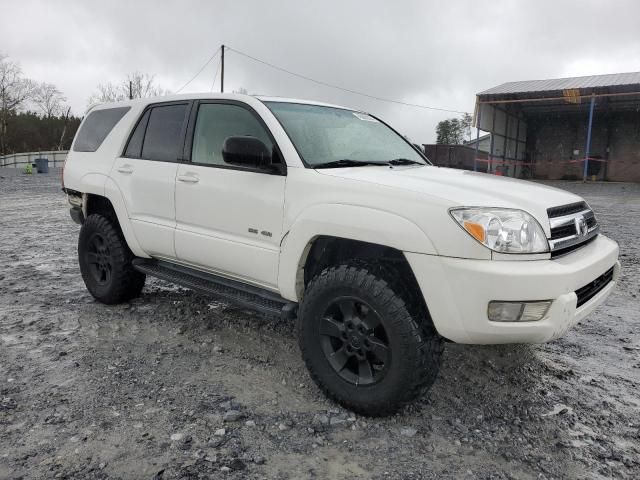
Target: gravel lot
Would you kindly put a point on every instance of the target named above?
(175, 385)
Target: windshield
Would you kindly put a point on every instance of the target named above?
(324, 135)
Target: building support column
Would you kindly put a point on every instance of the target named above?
(608, 146)
(505, 144)
(587, 149)
(493, 129)
(475, 157)
(515, 154)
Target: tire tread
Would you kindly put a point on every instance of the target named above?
(127, 282)
(422, 346)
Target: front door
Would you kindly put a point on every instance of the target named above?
(229, 219)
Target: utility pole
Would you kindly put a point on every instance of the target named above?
(222, 76)
(130, 90)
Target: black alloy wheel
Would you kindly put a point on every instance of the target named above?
(99, 259)
(354, 341)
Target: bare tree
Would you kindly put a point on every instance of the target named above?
(49, 100)
(15, 90)
(64, 128)
(136, 85)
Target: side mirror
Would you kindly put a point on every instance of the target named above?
(246, 152)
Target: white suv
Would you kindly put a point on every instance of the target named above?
(326, 214)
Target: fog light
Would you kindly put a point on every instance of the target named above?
(517, 311)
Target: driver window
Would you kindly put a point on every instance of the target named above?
(216, 122)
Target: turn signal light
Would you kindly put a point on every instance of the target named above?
(476, 230)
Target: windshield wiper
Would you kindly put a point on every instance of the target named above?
(403, 161)
(347, 162)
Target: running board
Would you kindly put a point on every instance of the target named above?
(232, 291)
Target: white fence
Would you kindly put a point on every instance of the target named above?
(18, 160)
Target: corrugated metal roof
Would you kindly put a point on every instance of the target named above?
(555, 84)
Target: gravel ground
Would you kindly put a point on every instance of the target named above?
(175, 385)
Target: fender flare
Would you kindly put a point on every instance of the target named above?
(343, 221)
(114, 195)
(93, 183)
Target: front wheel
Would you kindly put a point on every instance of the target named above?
(105, 262)
(363, 345)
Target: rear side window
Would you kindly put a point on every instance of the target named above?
(96, 127)
(134, 148)
(162, 139)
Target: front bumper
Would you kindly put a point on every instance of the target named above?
(457, 292)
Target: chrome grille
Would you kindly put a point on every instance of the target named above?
(572, 226)
(567, 209)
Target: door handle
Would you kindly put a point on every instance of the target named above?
(188, 178)
(125, 169)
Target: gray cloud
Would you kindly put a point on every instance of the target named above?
(432, 53)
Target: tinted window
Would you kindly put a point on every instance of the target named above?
(162, 140)
(96, 127)
(134, 148)
(215, 123)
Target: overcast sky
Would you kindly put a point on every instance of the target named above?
(430, 53)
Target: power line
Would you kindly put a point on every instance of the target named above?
(320, 82)
(199, 71)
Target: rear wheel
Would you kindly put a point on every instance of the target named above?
(105, 262)
(363, 345)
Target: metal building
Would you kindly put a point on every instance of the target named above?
(483, 142)
(566, 128)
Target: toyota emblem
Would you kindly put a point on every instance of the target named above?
(581, 226)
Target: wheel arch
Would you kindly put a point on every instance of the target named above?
(109, 202)
(352, 232)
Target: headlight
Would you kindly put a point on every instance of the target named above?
(502, 230)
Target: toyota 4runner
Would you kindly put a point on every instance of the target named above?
(327, 216)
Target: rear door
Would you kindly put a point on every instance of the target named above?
(146, 175)
(229, 219)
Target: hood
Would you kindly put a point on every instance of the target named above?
(464, 188)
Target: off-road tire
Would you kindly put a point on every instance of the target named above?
(414, 345)
(124, 282)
